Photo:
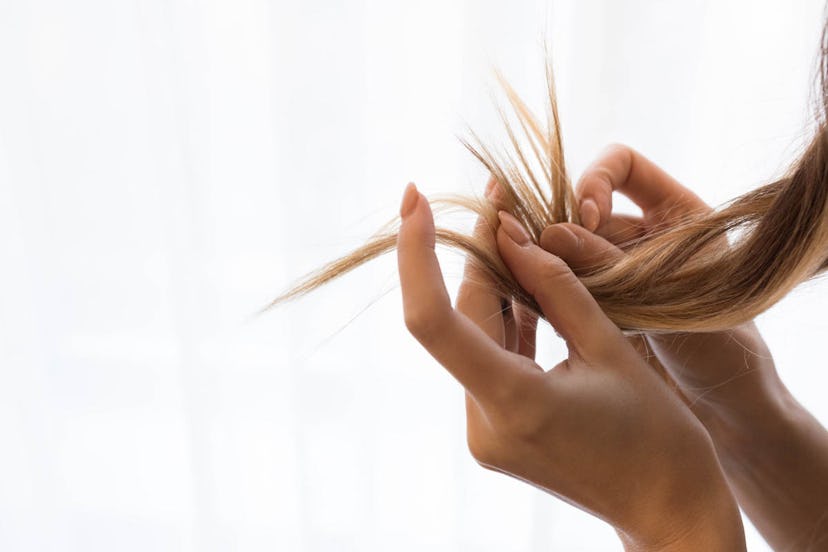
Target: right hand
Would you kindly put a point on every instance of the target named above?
(775, 454)
(725, 377)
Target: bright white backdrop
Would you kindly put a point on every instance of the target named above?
(166, 167)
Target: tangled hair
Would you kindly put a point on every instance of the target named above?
(707, 272)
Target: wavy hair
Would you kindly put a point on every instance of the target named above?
(707, 272)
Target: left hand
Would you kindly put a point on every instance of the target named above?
(599, 430)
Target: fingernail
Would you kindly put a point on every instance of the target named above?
(514, 229)
(590, 216)
(558, 239)
(409, 200)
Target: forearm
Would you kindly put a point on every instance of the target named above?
(775, 457)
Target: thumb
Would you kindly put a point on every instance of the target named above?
(565, 302)
(578, 247)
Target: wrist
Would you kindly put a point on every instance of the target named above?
(714, 526)
(777, 466)
(692, 508)
(728, 378)
(744, 427)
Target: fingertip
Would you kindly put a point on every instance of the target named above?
(590, 215)
(417, 219)
(503, 240)
(518, 255)
(507, 248)
(495, 195)
(491, 185)
(514, 229)
(409, 200)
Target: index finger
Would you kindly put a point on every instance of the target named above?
(623, 169)
(472, 357)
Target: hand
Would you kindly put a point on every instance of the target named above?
(775, 454)
(724, 376)
(598, 430)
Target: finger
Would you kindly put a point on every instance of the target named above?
(476, 298)
(516, 330)
(621, 168)
(526, 323)
(623, 230)
(451, 338)
(519, 328)
(578, 247)
(496, 194)
(565, 302)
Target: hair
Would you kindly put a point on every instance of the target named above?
(707, 272)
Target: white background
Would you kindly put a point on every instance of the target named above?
(168, 167)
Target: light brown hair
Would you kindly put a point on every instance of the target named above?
(707, 272)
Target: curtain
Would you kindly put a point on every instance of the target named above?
(168, 167)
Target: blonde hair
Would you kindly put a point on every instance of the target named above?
(683, 278)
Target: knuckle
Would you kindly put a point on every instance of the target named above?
(423, 322)
(511, 393)
(526, 429)
(517, 415)
(553, 272)
(597, 179)
(561, 236)
(598, 173)
(523, 423)
(577, 231)
(517, 420)
(617, 149)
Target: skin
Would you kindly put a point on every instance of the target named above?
(775, 454)
(599, 430)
